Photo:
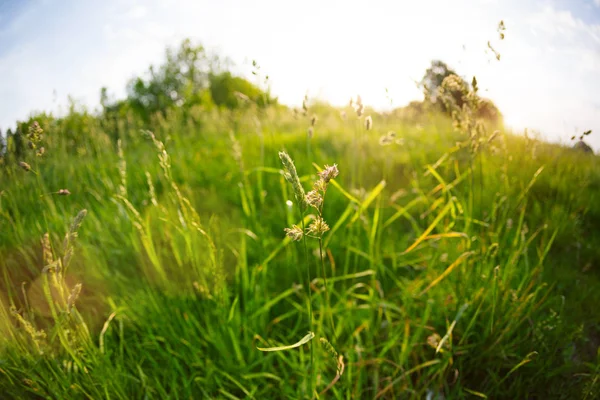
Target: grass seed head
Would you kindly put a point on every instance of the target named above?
(73, 297)
(337, 358)
(318, 227)
(241, 96)
(291, 175)
(493, 136)
(501, 28)
(314, 199)
(328, 346)
(34, 134)
(47, 249)
(360, 109)
(37, 337)
(70, 237)
(77, 221)
(320, 185)
(35, 129)
(329, 173)
(385, 140)
(25, 166)
(236, 149)
(294, 233)
(369, 123)
(358, 106)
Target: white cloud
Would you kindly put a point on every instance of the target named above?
(137, 12)
(552, 70)
(590, 60)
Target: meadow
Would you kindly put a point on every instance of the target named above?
(456, 264)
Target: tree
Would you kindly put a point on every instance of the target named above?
(2, 149)
(180, 80)
(232, 92)
(18, 144)
(188, 77)
(487, 110)
(432, 81)
(454, 96)
(583, 146)
(104, 101)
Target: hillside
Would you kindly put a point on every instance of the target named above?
(450, 270)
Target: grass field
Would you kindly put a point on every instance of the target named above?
(446, 273)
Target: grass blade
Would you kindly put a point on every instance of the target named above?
(447, 271)
(302, 341)
(430, 228)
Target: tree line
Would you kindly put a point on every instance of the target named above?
(191, 81)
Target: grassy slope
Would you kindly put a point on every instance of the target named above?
(175, 303)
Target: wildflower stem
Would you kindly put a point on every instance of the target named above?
(480, 182)
(311, 369)
(308, 152)
(327, 301)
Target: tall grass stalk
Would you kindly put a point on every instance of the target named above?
(312, 373)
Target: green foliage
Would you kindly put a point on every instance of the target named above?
(233, 92)
(189, 77)
(454, 262)
(446, 278)
(179, 81)
(189, 83)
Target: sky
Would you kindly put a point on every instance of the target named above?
(547, 79)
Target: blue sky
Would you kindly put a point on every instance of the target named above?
(548, 78)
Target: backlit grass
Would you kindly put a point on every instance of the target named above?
(445, 272)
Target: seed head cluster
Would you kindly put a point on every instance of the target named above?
(464, 105)
(34, 135)
(390, 138)
(315, 198)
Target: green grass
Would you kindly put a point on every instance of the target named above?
(473, 277)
